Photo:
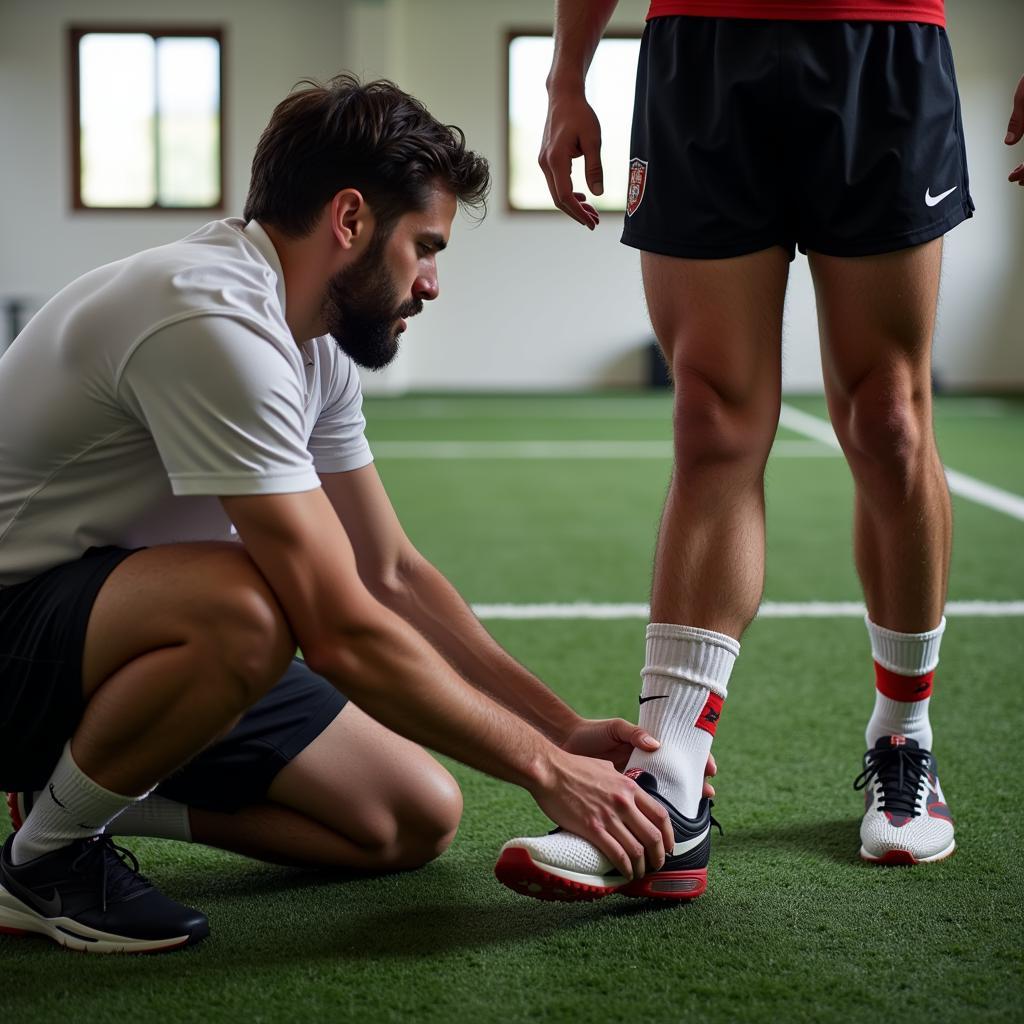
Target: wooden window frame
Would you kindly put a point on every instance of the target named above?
(515, 33)
(75, 34)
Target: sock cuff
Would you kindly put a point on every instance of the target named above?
(86, 786)
(906, 654)
(700, 657)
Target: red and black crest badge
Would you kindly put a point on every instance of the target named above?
(637, 182)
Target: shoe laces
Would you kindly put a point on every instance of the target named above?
(120, 878)
(900, 773)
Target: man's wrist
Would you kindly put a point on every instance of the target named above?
(566, 81)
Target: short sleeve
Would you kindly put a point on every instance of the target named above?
(224, 405)
(338, 441)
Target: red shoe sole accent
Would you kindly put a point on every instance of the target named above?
(12, 810)
(895, 857)
(12, 931)
(517, 870)
(669, 885)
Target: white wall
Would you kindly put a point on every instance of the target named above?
(529, 301)
(43, 244)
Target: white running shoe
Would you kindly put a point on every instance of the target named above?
(563, 866)
(906, 820)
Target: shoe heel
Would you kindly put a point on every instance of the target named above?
(668, 885)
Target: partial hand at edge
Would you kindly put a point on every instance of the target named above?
(1015, 130)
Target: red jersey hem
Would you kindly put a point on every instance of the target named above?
(929, 13)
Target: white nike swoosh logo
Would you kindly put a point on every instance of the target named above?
(931, 200)
(689, 844)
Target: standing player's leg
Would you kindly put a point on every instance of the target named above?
(719, 323)
(876, 317)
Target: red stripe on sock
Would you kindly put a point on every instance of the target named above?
(908, 689)
(710, 714)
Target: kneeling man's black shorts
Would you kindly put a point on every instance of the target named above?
(42, 636)
(839, 137)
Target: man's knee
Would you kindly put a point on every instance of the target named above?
(424, 825)
(239, 627)
(884, 425)
(720, 430)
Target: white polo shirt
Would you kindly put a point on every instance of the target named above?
(150, 387)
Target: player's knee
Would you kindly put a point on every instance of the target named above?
(426, 825)
(715, 429)
(887, 429)
(243, 630)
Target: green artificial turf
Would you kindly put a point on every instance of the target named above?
(793, 928)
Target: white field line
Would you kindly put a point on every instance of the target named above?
(960, 484)
(565, 450)
(768, 610)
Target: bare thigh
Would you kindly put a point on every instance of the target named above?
(199, 593)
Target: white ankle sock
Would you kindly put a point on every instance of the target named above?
(71, 807)
(905, 666)
(155, 817)
(685, 680)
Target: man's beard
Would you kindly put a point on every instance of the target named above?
(361, 309)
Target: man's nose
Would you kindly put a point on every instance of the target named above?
(425, 287)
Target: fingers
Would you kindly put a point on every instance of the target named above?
(1017, 174)
(626, 732)
(710, 770)
(658, 816)
(592, 164)
(1015, 128)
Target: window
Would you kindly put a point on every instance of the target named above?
(610, 86)
(146, 111)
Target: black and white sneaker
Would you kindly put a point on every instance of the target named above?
(906, 820)
(89, 896)
(563, 866)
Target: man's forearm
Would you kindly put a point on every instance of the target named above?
(579, 25)
(429, 602)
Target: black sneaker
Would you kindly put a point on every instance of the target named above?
(906, 819)
(563, 866)
(89, 896)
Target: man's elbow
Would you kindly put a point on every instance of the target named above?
(394, 585)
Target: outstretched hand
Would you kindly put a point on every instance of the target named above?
(614, 739)
(1015, 129)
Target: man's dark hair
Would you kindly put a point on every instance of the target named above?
(372, 137)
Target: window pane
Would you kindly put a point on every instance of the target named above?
(188, 97)
(610, 85)
(116, 107)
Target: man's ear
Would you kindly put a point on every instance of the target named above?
(350, 217)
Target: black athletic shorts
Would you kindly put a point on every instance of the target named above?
(839, 137)
(42, 637)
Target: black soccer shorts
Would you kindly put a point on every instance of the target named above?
(839, 137)
(42, 636)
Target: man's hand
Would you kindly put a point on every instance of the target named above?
(571, 131)
(1014, 130)
(589, 798)
(613, 739)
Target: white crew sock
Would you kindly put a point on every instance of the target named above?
(905, 666)
(685, 680)
(71, 807)
(155, 817)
